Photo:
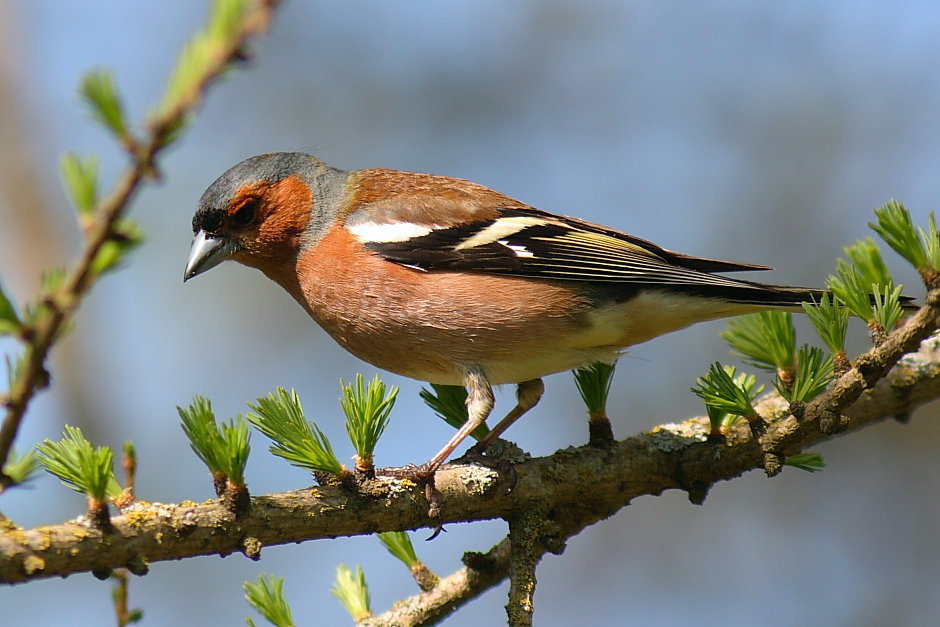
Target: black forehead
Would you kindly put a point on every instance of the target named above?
(208, 219)
(211, 210)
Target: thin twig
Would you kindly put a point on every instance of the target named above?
(481, 572)
(62, 304)
(123, 615)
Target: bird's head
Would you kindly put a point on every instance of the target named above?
(264, 211)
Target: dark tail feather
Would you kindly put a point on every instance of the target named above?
(769, 295)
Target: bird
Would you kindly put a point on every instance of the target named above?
(450, 282)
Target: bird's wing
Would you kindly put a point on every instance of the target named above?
(527, 242)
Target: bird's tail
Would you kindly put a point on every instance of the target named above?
(768, 295)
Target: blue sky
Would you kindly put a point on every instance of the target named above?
(760, 132)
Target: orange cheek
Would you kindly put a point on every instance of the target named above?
(272, 246)
(286, 211)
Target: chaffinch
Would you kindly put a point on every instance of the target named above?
(446, 281)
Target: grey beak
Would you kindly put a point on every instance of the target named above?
(206, 253)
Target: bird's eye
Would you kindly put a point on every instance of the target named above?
(246, 214)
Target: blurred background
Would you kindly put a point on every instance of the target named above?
(760, 132)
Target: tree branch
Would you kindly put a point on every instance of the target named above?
(574, 485)
(525, 538)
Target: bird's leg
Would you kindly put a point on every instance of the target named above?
(528, 394)
(480, 403)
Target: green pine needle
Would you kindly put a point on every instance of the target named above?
(15, 365)
(748, 384)
(594, 385)
(53, 280)
(280, 417)
(21, 469)
(100, 95)
(851, 288)
(9, 319)
(266, 595)
(887, 306)
(931, 240)
(766, 340)
(896, 228)
(718, 416)
(831, 321)
(726, 394)
(449, 402)
(226, 18)
(367, 412)
(813, 373)
(398, 543)
(866, 257)
(79, 465)
(810, 462)
(352, 591)
(128, 235)
(718, 419)
(223, 450)
(81, 182)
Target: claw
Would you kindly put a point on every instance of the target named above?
(422, 475)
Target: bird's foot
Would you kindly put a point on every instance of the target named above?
(421, 475)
